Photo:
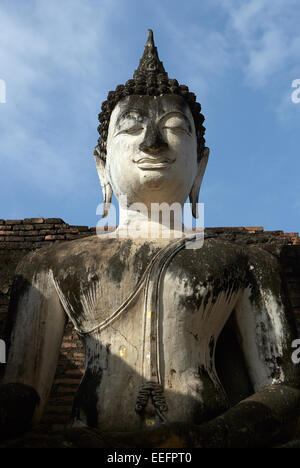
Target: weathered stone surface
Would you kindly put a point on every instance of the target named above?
(54, 237)
(13, 221)
(34, 220)
(54, 221)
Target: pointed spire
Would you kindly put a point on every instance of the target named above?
(150, 63)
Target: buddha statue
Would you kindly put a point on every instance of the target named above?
(184, 347)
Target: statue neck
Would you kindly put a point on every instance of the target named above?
(159, 222)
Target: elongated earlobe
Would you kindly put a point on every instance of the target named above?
(105, 185)
(195, 190)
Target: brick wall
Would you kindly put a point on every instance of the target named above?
(18, 237)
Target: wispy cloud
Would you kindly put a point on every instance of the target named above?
(52, 56)
(266, 36)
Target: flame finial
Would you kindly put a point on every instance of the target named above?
(150, 63)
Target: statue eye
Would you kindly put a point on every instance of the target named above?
(176, 129)
(130, 130)
(176, 124)
(133, 130)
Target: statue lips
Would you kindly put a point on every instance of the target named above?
(154, 163)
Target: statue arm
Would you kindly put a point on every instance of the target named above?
(271, 413)
(37, 332)
(266, 338)
(264, 331)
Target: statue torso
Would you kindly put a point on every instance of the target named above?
(128, 345)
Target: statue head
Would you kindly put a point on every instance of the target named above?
(151, 146)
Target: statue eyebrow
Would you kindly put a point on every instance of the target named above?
(181, 115)
(128, 113)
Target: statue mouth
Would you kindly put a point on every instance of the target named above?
(155, 163)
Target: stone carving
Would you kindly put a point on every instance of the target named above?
(156, 392)
(184, 347)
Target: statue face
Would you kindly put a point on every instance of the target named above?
(152, 149)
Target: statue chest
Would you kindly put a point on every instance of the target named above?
(153, 352)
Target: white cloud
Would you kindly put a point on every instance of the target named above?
(49, 49)
(261, 38)
(265, 34)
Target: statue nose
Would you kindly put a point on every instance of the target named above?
(153, 142)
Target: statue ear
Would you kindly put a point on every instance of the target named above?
(194, 193)
(105, 185)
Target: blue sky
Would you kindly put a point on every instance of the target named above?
(60, 58)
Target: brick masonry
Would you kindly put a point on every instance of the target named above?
(18, 237)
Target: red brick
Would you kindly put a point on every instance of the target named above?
(74, 371)
(54, 221)
(59, 409)
(69, 345)
(44, 232)
(67, 231)
(79, 363)
(81, 228)
(66, 390)
(8, 233)
(34, 220)
(13, 221)
(66, 381)
(63, 398)
(54, 237)
(29, 233)
(275, 233)
(254, 228)
(43, 226)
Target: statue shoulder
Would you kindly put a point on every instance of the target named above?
(64, 255)
(214, 251)
(231, 251)
(222, 261)
(257, 265)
